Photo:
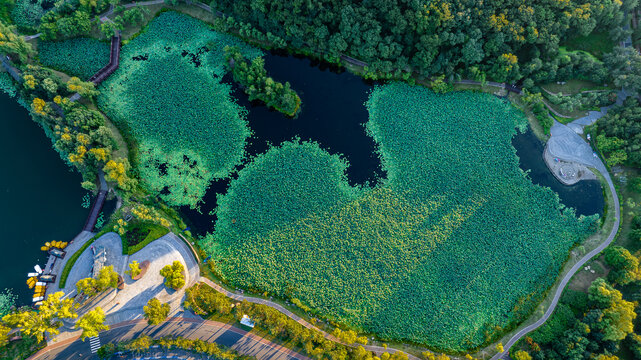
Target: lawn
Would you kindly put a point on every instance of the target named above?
(453, 248)
(81, 57)
(168, 95)
(596, 43)
(140, 234)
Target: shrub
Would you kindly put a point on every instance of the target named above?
(204, 300)
(174, 276)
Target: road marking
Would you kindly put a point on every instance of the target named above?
(94, 344)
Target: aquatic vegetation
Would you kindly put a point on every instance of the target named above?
(86, 201)
(7, 301)
(81, 57)
(6, 84)
(168, 94)
(452, 248)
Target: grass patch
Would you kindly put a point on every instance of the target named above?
(140, 234)
(81, 57)
(454, 221)
(596, 43)
(169, 95)
(74, 257)
(573, 86)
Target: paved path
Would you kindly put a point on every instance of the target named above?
(567, 145)
(190, 327)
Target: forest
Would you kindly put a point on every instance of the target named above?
(508, 40)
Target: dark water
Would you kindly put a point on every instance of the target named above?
(333, 115)
(586, 197)
(40, 197)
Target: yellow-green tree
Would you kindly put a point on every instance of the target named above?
(618, 314)
(84, 88)
(4, 335)
(107, 278)
(45, 319)
(174, 277)
(134, 269)
(86, 286)
(156, 312)
(92, 323)
(522, 355)
(14, 44)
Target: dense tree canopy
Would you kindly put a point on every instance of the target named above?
(619, 133)
(508, 39)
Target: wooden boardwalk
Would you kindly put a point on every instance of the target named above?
(97, 205)
(114, 61)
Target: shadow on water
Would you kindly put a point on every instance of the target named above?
(333, 114)
(586, 197)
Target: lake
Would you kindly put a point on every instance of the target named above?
(40, 197)
(333, 114)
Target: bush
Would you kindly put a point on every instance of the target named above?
(174, 275)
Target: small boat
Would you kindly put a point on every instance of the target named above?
(47, 278)
(32, 274)
(38, 269)
(39, 298)
(40, 283)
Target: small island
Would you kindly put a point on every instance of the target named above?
(253, 77)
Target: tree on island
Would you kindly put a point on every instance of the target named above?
(174, 277)
(44, 320)
(156, 312)
(253, 77)
(92, 323)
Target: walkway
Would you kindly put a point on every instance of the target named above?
(97, 204)
(298, 319)
(114, 61)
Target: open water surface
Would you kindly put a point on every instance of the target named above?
(333, 114)
(40, 197)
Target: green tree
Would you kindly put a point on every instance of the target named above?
(625, 266)
(156, 312)
(174, 277)
(92, 323)
(14, 44)
(625, 68)
(87, 286)
(616, 320)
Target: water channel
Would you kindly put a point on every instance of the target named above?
(333, 115)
